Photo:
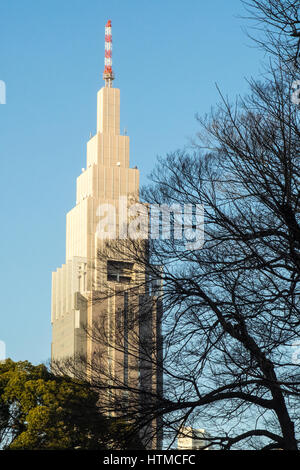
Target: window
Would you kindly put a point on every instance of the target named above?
(119, 271)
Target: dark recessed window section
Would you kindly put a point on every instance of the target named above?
(119, 271)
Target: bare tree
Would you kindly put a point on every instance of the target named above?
(230, 309)
(229, 312)
(280, 23)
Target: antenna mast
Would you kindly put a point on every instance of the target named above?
(108, 75)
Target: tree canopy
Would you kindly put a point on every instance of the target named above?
(39, 410)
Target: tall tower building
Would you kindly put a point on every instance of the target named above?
(92, 290)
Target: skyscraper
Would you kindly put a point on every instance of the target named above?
(101, 288)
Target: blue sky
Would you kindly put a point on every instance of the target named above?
(167, 57)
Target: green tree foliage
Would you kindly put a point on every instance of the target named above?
(39, 410)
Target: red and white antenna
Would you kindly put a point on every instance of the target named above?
(108, 75)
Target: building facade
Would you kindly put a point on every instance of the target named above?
(99, 287)
(191, 439)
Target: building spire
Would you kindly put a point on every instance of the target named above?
(108, 74)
